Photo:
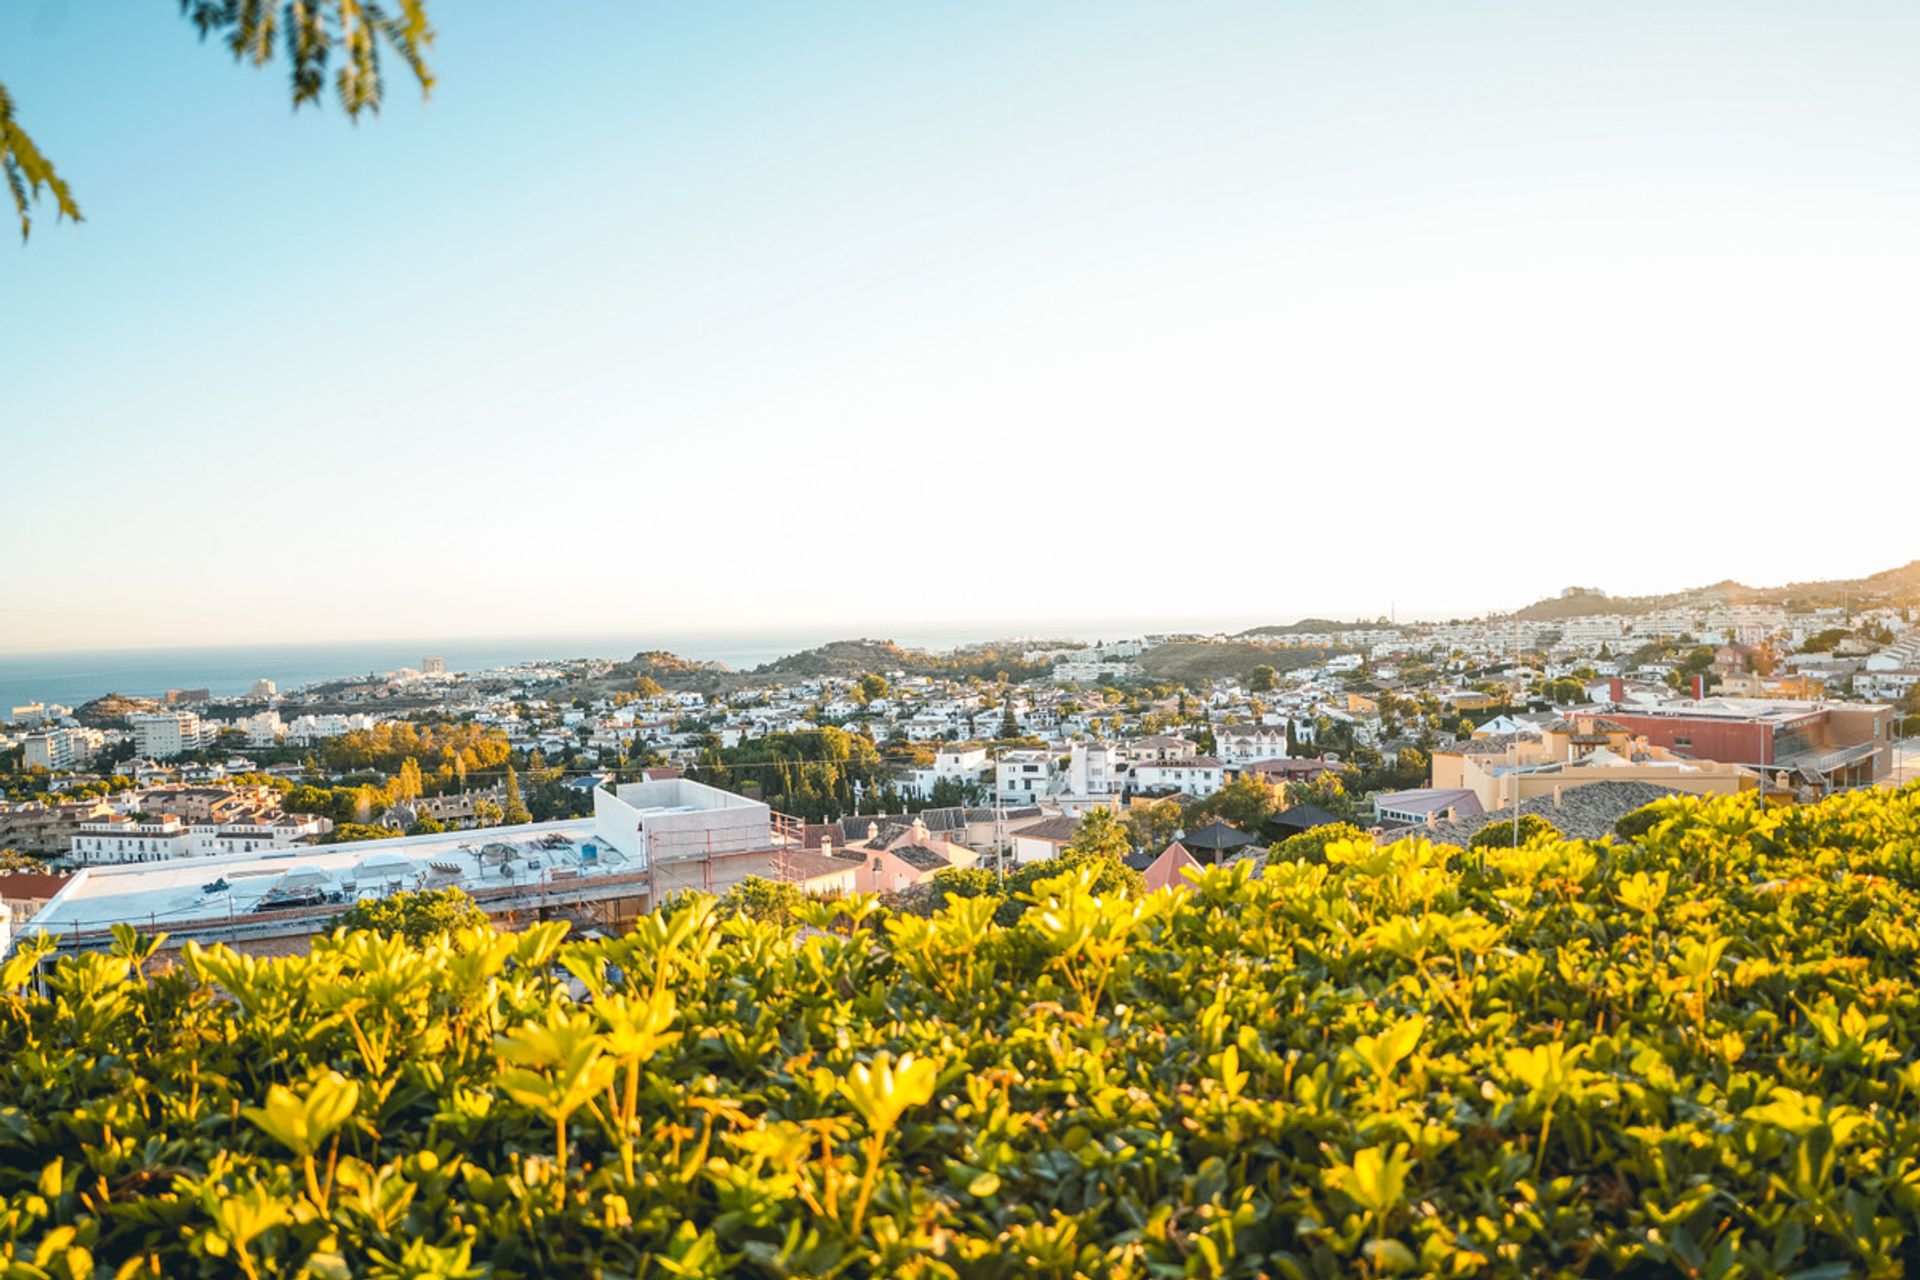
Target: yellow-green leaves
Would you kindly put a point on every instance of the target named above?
(1642, 892)
(302, 1121)
(882, 1090)
(1375, 1179)
(556, 1066)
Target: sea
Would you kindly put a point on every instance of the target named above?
(72, 677)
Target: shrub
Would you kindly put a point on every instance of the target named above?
(414, 915)
(1500, 835)
(1691, 1055)
(1632, 826)
(1311, 846)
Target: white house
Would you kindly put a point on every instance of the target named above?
(1198, 776)
(1024, 777)
(966, 765)
(1247, 743)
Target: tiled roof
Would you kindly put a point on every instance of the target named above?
(1587, 812)
(1055, 830)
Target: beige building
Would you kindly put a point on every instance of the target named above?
(1572, 753)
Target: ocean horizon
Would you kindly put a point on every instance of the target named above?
(72, 677)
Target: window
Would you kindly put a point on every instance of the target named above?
(1679, 741)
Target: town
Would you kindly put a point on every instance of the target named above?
(598, 789)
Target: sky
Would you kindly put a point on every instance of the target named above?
(717, 315)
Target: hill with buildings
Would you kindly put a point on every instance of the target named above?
(1180, 661)
(1890, 586)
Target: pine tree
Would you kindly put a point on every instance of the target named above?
(516, 808)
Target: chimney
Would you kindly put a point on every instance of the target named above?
(873, 831)
(826, 846)
(1699, 688)
(1616, 691)
(919, 832)
(1556, 795)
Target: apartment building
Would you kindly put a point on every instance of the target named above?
(162, 735)
(62, 748)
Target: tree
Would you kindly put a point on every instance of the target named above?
(426, 826)
(1101, 834)
(1246, 803)
(347, 35)
(871, 688)
(486, 813)
(351, 832)
(1009, 727)
(515, 811)
(1152, 826)
(14, 860)
(1261, 681)
(415, 915)
(648, 687)
(758, 898)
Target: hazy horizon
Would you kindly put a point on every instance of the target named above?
(762, 312)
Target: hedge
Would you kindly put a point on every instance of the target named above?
(1693, 1054)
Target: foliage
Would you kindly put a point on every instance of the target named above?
(27, 171)
(1500, 835)
(811, 775)
(14, 860)
(758, 898)
(1635, 825)
(450, 750)
(1246, 802)
(1547, 1061)
(352, 832)
(1311, 845)
(514, 811)
(415, 915)
(1151, 825)
(346, 34)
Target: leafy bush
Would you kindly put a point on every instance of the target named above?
(762, 899)
(1311, 845)
(1500, 835)
(414, 915)
(1691, 1055)
(1632, 826)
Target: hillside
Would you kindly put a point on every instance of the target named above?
(850, 658)
(1608, 1059)
(1306, 626)
(1186, 660)
(1890, 586)
(110, 711)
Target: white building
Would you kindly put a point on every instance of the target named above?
(1024, 777)
(123, 839)
(1199, 776)
(264, 729)
(264, 688)
(1097, 770)
(966, 765)
(1243, 744)
(163, 735)
(311, 728)
(62, 748)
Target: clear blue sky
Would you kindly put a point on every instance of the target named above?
(724, 314)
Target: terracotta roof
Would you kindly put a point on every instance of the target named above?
(31, 884)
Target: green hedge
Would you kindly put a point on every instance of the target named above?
(1690, 1055)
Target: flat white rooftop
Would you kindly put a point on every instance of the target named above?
(159, 895)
